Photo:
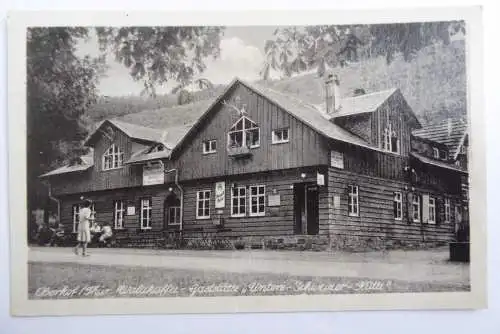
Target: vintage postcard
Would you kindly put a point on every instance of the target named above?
(246, 162)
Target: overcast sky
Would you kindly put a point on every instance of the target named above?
(242, 55)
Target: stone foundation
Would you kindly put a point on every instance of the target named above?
(350, 243)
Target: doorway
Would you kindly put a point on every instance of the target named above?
(306, 208)
(172, 213)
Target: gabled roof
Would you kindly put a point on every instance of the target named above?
(84, 164)
(451, 133)
(170, 126)
(133, 131)
(308, 114)
(146, 155)
(437, 163)
(310, 88)
(366, 103)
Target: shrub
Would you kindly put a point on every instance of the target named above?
(239, 244)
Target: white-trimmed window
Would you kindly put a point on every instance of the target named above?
(238, 201)
(447, 210)
(443, 155)
(209, 146)
(416, 208)
(353, 201)
(257, 200)
(390, 140)
(435, 152)
(112, 158)
(146, 209)
(244, 133)
(432, 210)
(174, 215)
(203, 204)
(280, 136)
(398, 206)
(118, 214)
(76, 216)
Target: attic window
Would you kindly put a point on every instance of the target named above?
(390, 141)
(244, 133)
(112, 158)
(157, 148)
(443, 154)
(435, 152)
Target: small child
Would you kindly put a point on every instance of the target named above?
(107, 233)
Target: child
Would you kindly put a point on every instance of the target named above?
(107, 233)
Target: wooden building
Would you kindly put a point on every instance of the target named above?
(261, 163)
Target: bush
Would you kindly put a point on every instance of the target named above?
(239, 244)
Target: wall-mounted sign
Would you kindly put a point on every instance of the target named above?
(274, 200)
(336, 159)
(220, 194)
(320, 179)
(130, 210)
(153, 174)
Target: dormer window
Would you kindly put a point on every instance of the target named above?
(112, 158)
(390, 141)
(439, 154)
(157, 148)
(435, 152)
(244, 133)
(443, 155)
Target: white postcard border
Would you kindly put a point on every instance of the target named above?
(22, 306)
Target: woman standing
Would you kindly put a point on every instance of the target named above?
(83, 236)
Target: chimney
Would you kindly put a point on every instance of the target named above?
(450, 127)
(332, 93)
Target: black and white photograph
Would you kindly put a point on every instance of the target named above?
(179, 162)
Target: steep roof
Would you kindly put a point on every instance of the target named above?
(437, 163)
(134, 131)
(170, 126)
(308, 114)
(450, 133)
(366, 103)
(84, 164)
(145, 155)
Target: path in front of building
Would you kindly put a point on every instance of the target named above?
(415, 266)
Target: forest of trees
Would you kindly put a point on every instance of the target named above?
(63, 101)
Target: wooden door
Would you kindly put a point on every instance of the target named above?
(312, 209)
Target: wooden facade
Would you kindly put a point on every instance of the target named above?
(307, 181)
(305, 147)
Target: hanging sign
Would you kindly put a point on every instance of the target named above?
(220, 194)
(153, 174)
(320, 179)
(336, 159)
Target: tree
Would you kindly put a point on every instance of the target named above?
(184, 96)
(60, 88)
(294, 50)
(156, 55)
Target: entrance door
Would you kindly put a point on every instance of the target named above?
(306, 208)
(312, 209)
(172, 211)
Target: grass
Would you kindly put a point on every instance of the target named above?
(70, 280)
